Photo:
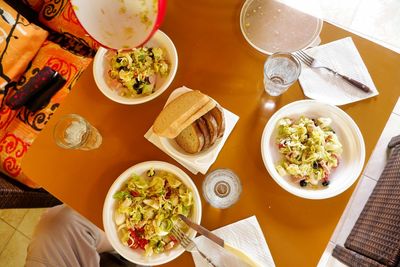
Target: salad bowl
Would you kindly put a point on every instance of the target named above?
(120, 24)
(110, 205)
(102, 66)
(351, 160)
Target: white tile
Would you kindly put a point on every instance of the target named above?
(326, 255)
(341, 12)
(13, 216)
(6, 232)
(30, 221)
(397, 107)
(361, 195)
(378, 159)
(333, 262)
(379, 19)
(14, 253)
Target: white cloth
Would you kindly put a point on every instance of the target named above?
(245, 235)
(194, 163)
(342, 56)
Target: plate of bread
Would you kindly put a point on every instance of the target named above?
(191, 124)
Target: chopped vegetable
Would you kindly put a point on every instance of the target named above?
(310, 150)
(148, 205)
(137, 70)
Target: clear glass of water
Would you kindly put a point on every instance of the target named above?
(74, 132)
(222, 188)
(281, 70)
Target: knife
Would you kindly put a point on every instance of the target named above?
(219, 241)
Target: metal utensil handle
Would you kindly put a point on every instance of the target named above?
(206, 258)
(355, 83)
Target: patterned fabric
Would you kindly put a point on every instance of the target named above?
(19, 128)
(34, 4)
(59, 16)
(19, 43)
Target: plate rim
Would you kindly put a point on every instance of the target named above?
(107, 213)
(291, 189)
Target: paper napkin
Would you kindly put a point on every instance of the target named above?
(342, 56)
(245, 235)
(194, 163)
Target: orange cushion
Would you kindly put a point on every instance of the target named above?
(60, 17)
(19, 42)
(19, 128)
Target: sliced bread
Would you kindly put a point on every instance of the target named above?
(212, 127)
(218, 114)
(201, 122)
(174, 117)
(191, 139)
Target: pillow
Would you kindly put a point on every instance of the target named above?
(34, 4)
(60, 17)
(19, 43)
(19, 128)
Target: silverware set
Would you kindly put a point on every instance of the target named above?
(188, 244)
(314, 63)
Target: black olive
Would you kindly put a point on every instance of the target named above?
(315, 165)
(303, 183)
(325, 183)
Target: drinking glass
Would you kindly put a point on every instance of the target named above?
(281, 70)
(222, 188)
(74, 132)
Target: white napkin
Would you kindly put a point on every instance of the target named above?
(342, 56)
(194, 163)
(245, 235)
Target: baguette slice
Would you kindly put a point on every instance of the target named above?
(191, 139)
(181, 112)
(218, 114)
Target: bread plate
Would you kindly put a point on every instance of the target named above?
(173, 148)
(347, 131)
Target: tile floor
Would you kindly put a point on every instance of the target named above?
(16, 229)
(374, 19)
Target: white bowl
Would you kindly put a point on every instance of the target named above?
(101, 67)
(119, 24)
(351, 161)
(137, 256)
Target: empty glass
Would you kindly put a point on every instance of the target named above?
(74, 132)
(222, 188)
(281, 70)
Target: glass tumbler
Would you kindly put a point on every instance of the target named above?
(222, 188)
(281, 70)
(74, 132)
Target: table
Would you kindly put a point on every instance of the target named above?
(214, 58)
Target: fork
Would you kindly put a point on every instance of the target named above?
(314, 63)
(188, 244)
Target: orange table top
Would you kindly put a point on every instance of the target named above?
(213, 58)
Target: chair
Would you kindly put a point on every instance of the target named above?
(375, 237)
(16, 195)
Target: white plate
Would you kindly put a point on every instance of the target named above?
(137, 256)
(351, 161)
(101, 67)
(270, 26)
